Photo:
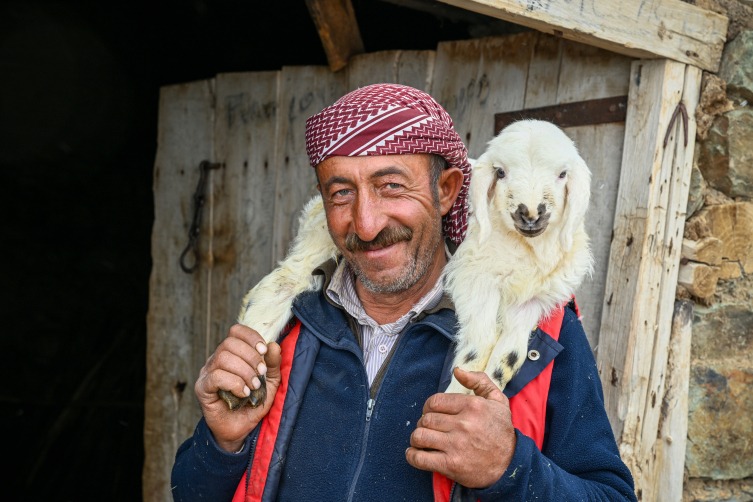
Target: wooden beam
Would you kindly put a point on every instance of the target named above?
(659, 29)
(644, 260)
(336, 23)
(673, 430)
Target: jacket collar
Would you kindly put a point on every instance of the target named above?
(330, 321)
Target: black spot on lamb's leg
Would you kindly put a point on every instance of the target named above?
(498, 375)
(512, 358)
(470, 356)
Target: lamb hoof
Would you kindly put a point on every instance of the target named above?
(254, 400)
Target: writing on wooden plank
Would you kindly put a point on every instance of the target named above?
(243, 204)
(659, 29)
(411, 68)
(474, 79)
(176, 322)
(304, 91)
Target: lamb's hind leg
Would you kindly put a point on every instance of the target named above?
(512, 346)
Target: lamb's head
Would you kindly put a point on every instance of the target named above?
(532, 178)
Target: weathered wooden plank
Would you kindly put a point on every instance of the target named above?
(644, 259)
(243, 192)
(673, 428)
(475, 79)
(544, 71)
(176, 322)
(588, 73)
(336, 23)
(412, 68)
(660, 29)
(304, 91)
(601, 148)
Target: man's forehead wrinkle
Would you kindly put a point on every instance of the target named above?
(388, 170)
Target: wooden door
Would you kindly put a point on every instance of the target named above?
(252, 124)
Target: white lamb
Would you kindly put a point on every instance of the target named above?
(524, 255)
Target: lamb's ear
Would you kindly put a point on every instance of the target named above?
(577, 195)
(481, 198)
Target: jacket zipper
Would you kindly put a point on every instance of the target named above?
(370, 404)
(452, 491)
(251, 454)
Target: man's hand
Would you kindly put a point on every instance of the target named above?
(470, 439)
(235, 366)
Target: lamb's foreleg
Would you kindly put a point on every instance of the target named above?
(267, 308)
(512, 343)
(476, 306)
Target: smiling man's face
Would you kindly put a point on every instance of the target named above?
(384, 217)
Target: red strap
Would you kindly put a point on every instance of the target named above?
(265, 444)
(442, 487)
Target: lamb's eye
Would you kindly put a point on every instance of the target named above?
(501, 173)
(563, 174)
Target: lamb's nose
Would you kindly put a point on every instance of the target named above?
(528, 218)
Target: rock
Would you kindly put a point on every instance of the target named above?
(696, 228)
(736, 67)
(720, 404)
(713, 103)
(721, 331)
(717, 198)
(729, 270)
(709, 490)
(698, 186)
(726, 155)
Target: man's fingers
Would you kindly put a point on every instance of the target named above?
(248, 335)
(434, 461)
(480, 383)
(437, 421)
(221, 379)
(449, 404)
(247, 353)
(273, 360)
(427, 438)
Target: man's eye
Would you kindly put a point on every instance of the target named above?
(393, 185)
(343, 192)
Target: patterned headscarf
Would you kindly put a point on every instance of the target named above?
(390, 119)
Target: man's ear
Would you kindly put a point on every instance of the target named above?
(481, 197)
(577, 196)
(450, 182)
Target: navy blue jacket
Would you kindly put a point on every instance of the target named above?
(327, 450)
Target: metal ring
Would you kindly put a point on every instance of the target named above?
(534, 355)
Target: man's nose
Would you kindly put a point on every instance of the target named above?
(367, 218)
(529, 216)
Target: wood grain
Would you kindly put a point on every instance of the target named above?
(644, 260)
(176, 321)
(411, 68)
(244, 198)
(336, 24)
(304, 91)
(660, 29)
(673, 428)
(475, 79)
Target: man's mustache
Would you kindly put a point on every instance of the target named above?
(387, 237)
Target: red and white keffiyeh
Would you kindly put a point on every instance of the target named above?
(391, 119)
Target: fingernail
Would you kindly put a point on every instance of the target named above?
(247, 391)
(262, 369)
(261, 348)
(256, 383)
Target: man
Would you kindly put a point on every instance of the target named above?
(353, 410)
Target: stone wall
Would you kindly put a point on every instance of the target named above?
(717, 273)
